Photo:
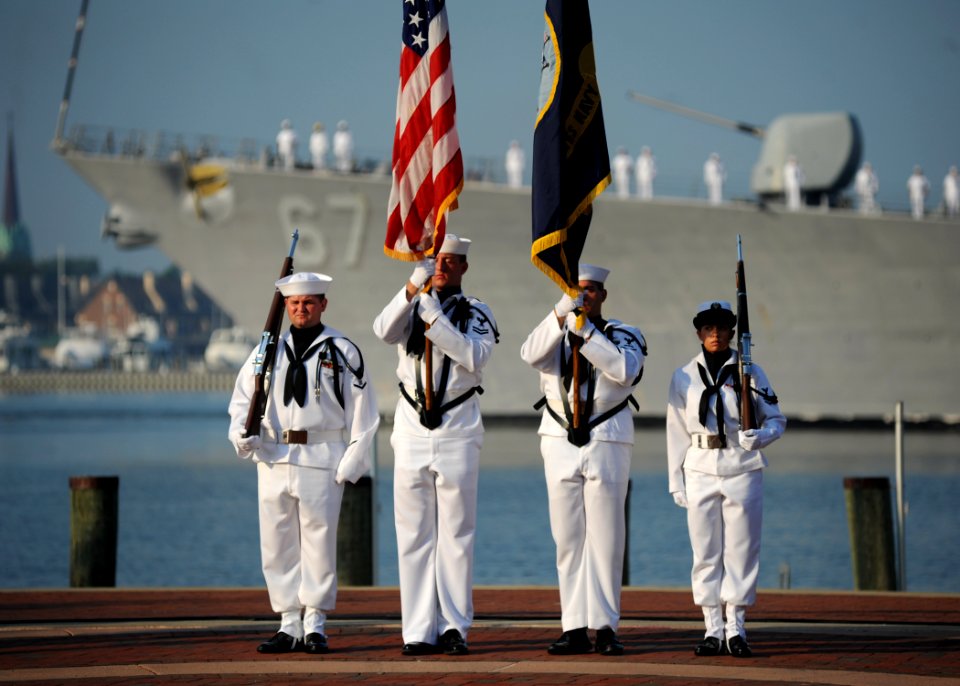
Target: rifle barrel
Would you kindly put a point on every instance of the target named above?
(266, 355)
(744, 341)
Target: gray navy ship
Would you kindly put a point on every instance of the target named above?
(850, 312)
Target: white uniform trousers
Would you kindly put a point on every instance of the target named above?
(587, 490)
(435, 510)
(724, 517)
(299, 512)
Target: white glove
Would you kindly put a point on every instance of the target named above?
(430, 308)
(423, 271)
(680, 498)
(755, 439)
(568, 305)
(352, 465)
(245, 445)
(585, 332)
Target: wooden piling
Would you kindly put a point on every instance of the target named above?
(93, 530)
(355, 534)
(870, 520)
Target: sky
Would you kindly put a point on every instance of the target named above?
(236, 68)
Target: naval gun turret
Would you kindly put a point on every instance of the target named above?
(828, 146)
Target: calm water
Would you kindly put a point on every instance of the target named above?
(188, 513)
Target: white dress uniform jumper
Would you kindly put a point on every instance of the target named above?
(318, 429)
(587, 471)
(437, 459)
(722, 482)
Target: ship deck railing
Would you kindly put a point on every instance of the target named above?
(248, 151)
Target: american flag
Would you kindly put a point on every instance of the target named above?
(427, 164)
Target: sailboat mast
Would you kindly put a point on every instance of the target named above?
(71, 69)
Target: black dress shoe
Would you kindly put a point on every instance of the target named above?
(710, 647)
(280, 643)
(452, 643)
(738, 647)
(418, 648)
(574, 642)
(315, 644)
(608, 643)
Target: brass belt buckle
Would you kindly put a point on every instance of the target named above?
(292, 436)
(710, 442)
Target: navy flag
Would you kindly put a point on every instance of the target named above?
(571, 165)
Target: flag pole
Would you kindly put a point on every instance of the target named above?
(420, 198)
(428, 373)
(575, 349)
(571, 165)
(428, 365)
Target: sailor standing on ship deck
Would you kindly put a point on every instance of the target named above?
(622, 167)
(514, 164)
(918, 187)
(951, 192)
(587, 469)
(716, 472)
(287, 145)
(713, 177)
(793, 180)
(646, 173)
(437, 449)
(343, 147)
(867, 186)
(319, 146)
(318, 429)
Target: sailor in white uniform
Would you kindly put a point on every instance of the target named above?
(587, 468)
(318, 428)
(287, 145)
(319, 146)
(716, 471)
(714, 175)
(793, 180)
(437, 450)
(646, 173)
(514, 164)
(343, 147)
(867, 185)
(951, 192)
(917, 187)
(622, 168)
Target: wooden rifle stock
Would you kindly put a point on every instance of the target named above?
(266, 353)
(748, 418)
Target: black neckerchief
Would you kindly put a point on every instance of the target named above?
(715, 362)
(444, 293)
(295, 384)
(302, 338)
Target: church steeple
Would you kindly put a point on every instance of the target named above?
(11, 203)
(14, 237)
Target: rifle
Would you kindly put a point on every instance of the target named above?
(745, 360)
(266, 353)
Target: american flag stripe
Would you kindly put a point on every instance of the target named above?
(427, 162)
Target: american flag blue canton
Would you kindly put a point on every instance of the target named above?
(571, 165)
(427, 163)
(416, 20)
